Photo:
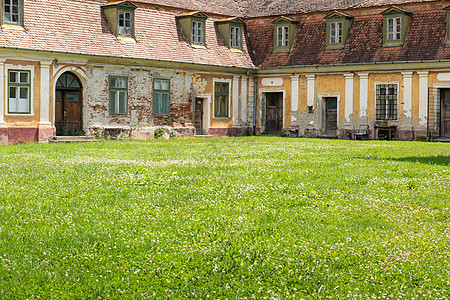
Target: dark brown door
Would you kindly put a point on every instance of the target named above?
(198, 118)
(331, 116)
(274, 113)
(445, 113)
(68, 118)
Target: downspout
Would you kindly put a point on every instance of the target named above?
(255, 100)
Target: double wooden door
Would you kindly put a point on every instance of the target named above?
(68, 105)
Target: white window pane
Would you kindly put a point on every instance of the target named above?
(23, 105)
(165, 85)
(157, 84)
(13, 105)
(122, 82)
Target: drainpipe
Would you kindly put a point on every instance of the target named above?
(255, 100)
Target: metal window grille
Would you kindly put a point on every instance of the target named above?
(386, 106)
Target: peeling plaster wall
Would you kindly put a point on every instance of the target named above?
(140, 98)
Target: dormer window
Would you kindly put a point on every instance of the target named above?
(120, 16)
(125, 23)
(335, 32)
(197, 32)
(284, 34)
(12, 11)
(235, 37)
(338, 26)
(193, 25)
(231, 30)
(395, 26)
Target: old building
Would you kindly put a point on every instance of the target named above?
(310, 68)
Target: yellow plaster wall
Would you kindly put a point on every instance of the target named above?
(25, 120)
(415, 97)
(381, 78)
(332, 84)
(302, 93)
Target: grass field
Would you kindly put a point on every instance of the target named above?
(236, 218)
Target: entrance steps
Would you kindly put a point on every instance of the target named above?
(72, 139)
(443, 140)
(203, 136)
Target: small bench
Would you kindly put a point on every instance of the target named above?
(362, 132)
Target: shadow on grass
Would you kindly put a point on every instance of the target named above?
(428, 160)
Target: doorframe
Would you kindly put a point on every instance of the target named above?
(322, 103)
(206, 124)
(261, 112)
(80, 73)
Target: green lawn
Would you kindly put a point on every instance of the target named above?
(232, 218)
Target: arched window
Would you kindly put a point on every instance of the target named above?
(68, 81)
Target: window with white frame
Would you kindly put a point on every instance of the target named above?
(161, 95)
(235, 37)
(394, 29)
(19, 92)
(118, 95)
(335, 32)
(386, 105)
(125, 23)
(282, 36)
(197, 32)
(221, 99)
(12, 11)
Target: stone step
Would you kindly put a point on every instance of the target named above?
(72, 139)
(443, 140)
(203, 136)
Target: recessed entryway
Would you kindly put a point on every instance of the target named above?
(274, 113)
(68, 104)
(445, 113)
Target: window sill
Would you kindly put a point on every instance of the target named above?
(20, 114)
(282, 50)
(335, 46)
(126, 38)
(223, 118)
(236, 50)
(196, 46)
(13, 27)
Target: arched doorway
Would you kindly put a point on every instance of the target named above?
(68, 104)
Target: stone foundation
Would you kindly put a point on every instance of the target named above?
(140, 133)
(235, 131)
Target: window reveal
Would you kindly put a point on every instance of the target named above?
(283, 36)
(221, 99)
(394, 29)
(197, 32)
(335, 32)
(386, 101)
(118, 95)
(124, 23)
(161, 95)
(19, 90)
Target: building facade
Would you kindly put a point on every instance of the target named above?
(308, 69)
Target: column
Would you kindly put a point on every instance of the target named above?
(235, 100)
(423, 97)
(407, 94)
(45, 95)
(3, 87)
(251, 100)
(310, 93)
(294, 96)
(363, 93)
(244, 117)
(348, 112)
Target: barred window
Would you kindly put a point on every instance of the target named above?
(387, 95)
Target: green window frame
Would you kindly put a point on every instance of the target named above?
(118, 95)
(19, 92)
(221, 99)
(161, 97)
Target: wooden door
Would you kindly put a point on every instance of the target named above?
(68, 105)
(331, 116)
(274, 113)
(198, 118)
(445, 113)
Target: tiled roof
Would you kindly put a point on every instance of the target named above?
(79, 26)
(424, 40)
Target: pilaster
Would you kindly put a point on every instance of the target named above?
(294, 95)
(423, 97)
(244, 82)
(348, 107)
(363, 94)
(235, 100)
(310, 87)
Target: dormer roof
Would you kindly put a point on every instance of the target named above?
(121, 4)
(284, 19)
(396, 10)
(197, 14)
(338, 14)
